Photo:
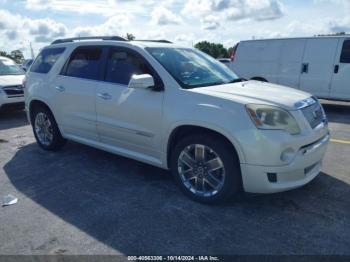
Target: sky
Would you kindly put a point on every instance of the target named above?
(186, 22)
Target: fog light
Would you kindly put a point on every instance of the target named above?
(288, 155)
(272, 177)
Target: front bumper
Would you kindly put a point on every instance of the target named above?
(305, 167)
(11, 102)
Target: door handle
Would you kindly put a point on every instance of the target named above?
(305, 68)
(104, 96)
(60, 88)
(336, 69)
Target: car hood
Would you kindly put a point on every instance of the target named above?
(258, 93)
(11, 80)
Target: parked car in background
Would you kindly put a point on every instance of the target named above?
(26, 64)
(11, 87)
(179, 109)
(318, 65)
(225, 61)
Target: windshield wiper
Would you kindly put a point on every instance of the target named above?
(241, 79)
(218, 83)
(207, 84)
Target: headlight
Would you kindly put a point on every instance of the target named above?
(272, 117)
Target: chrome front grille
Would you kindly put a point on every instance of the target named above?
(13, 91)
(314, 114)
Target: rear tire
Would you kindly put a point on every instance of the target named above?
(214, 176)
(45, 129)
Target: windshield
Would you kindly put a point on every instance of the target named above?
(8, 67)
(192, 68)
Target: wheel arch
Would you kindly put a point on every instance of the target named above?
(37, 103)
(187, 129)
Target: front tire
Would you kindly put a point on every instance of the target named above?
(46, 131)
(206, 168)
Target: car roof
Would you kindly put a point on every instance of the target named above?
(295, 38)
(5, 58)
(155, 44)
(110, 41)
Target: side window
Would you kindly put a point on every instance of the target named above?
(84, 63)
(121, 65)
(345, 53)
(46, 59)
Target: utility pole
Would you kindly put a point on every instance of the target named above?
(31, 50)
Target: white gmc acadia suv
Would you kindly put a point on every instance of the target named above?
(179, 109)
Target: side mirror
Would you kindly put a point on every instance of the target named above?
(141, 81)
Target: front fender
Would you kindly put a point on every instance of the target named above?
(217, 118)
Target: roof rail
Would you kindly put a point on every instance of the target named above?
(67, 40)
(156, 41)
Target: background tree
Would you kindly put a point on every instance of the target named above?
(213, 49)
(130, 37)
(17, 55)
(230, 51)
(335, 34)
(3, 53)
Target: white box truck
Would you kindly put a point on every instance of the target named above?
(318, 65)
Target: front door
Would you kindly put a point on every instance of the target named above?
(129, 119)
(341, 79)
(317, 66)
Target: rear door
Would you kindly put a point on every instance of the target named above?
(129, 119)
(341, 79)
(318, 64)
(291, 58)
(75, 90)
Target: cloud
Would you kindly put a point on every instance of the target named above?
(25, 27)
(18, 31)
(163, 16)
(12, 35)
(210, 22)
(46, 27)
(185, 38)
(83, 7)
(39, 4)
(113, 26)
(234, 10)
(73, 6)
(342, 25)
(9, 20)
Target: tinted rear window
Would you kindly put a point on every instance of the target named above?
(345, 53)
(84, 63)
(46, 59)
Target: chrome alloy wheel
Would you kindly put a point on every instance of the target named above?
(43, 129)
(201, 170)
